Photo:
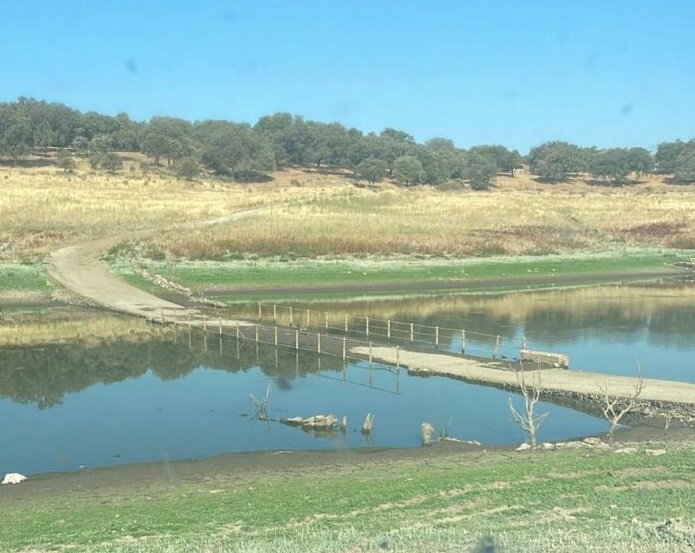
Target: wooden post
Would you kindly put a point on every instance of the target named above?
(276, 336)
(366, 328)
(318, 344)
(308, 318)
(296, 340)
(326, 322)
(189, 322)
(412, 333)
(344, 348)
(291, 321)
(388, 329)
(463, 342)
(220, 323)
(346, 324)
(275, 314)
(370, 355)
(205, 324)
(237, 331)
(256, 334)
(398, 357)
(260, 316)
(523, 343)
(436, 337)
(497, 347)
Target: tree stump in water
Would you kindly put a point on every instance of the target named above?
(426, 430)
(367, 424)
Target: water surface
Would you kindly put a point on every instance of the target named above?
(105, 402)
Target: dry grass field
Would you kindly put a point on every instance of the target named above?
(58, 326)
(315, 214)
(42, 208)
(518, 217)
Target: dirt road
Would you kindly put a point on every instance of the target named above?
(78, 269)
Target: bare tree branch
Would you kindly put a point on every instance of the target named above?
(528, 421)
(615, 408)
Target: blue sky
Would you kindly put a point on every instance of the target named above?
(604, 73)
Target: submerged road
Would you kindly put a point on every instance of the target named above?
(565, 381)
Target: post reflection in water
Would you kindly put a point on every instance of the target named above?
(180, 395)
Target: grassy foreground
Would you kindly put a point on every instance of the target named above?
(570, 500)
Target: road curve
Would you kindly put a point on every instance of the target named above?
(78, 269)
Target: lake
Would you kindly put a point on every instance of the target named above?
(97, 402)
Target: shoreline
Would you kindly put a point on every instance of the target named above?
(259, 462)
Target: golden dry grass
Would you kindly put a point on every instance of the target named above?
(517, 217)
(59, 326)
(318, 214)
(43, 208)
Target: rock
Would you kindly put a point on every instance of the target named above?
(523, 447)
(13, 478)
(626, 450)
(575, 445)
(547, 445)
(473, 442)
(655, 452)
(419, 371)
(320, 421)
(426, 431)
(293, 421)
(560, 445)
(593, 441)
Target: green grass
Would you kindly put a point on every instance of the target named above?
(24, 278)
(305, 278)
(445, 503)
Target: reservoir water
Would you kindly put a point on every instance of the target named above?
(102, 401)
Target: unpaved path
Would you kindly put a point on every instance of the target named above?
(78, 269)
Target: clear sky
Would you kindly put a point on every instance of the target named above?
(592, 72)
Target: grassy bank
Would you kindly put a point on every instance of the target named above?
(569, 500)
(251, 280)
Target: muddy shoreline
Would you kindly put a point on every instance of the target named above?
(247, 467)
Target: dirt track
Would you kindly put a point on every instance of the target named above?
(78, 269)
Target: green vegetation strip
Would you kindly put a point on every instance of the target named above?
(309, 278)
(24, 278)
(586, 500)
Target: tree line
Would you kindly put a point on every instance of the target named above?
(245, 151)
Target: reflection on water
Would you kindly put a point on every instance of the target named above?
(603, 328)
(73, 406)
(102, 402)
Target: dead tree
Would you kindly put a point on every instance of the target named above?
(528, 421)
(615, 408)
(262, 405)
